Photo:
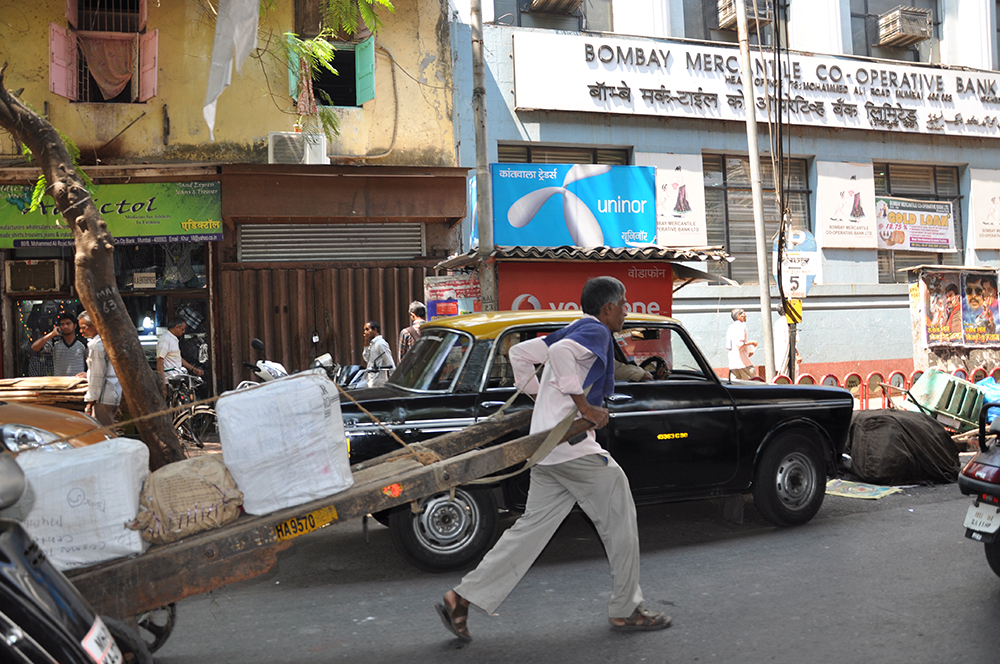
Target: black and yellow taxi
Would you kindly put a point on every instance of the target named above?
(681, 433)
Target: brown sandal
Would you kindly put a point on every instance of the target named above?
(454, 617)
(642, 619)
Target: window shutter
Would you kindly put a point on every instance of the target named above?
(143, 12)
(62, 61)
(148, 64)
(73, 12)
(293, 74)
(364, 70)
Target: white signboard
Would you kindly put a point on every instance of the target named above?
(591, 73)
(984, 208)
(801, 265)
(845, 207)
(680, 199)
(911, 225)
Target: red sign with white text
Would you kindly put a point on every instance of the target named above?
(525, 286)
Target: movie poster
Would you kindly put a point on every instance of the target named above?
(979, 309)
(943, 308)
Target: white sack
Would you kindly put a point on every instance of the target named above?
(283, 441)
(78, 501)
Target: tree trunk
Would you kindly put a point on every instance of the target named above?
(95, 275)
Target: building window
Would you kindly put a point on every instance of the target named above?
(729, 209)
(543, 154)
(105, 54)
(865, 31)
(351, 86)
(926, 183)
(701, 21)
(571, 15)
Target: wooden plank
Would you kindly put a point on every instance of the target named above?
(248, 547)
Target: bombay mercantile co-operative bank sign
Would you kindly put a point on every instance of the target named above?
(674, 79)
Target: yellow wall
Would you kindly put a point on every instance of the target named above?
(416, 37)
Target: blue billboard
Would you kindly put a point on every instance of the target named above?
(583, 205)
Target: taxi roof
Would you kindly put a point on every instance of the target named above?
(487, 325)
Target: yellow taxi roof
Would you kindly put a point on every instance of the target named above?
(487, 325)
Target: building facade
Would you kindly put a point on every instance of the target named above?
(881, 109)
(297, 239)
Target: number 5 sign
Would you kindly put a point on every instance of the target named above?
(800, 265)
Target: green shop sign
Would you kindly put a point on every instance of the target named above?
(151, 213)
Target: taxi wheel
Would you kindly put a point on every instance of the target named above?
(131, 646)
(993, 557)
(790, 482)
(448, 534)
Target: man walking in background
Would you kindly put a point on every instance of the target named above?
(104, 393)
(410, 334)
(739, 347)
(377, 355)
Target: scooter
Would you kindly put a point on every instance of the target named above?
(43, 618)
(264, 369)
(981, 478)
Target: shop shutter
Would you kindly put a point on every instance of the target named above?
(261, 243)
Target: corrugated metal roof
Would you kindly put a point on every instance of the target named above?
(566, 253)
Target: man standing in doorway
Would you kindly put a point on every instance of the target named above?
(578, 374)
(739, 347)
(69, 352)
(168, 349)
(104, 393)
(406, 338)
(377, 355)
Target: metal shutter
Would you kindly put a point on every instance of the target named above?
(330, 242)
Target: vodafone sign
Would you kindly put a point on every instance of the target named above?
(531, 285)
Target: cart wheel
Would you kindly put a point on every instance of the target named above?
(448, 534)
(133, 650)
(155, 626)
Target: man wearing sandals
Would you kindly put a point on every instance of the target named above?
(576, 358)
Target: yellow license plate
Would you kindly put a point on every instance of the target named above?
(300, 525)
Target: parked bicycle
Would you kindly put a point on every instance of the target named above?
(197, 424)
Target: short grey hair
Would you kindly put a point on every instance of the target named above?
(600, 291)
(737, 313)
(418, 309)
(84, 316)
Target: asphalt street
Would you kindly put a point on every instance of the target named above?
(892, 580)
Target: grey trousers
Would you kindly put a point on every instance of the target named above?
(600, 487)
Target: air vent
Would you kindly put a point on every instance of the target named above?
(30, 276)
(904, 26)
(288, 147)
(555, 6)
(727, 14)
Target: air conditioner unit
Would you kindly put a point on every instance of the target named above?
(40, 275)
(290, 147)
(555, 6)
(727, 14)
(904, 26)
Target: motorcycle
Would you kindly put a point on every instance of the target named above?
(43, 618)
(981, 478)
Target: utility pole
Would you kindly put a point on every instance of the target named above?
(755, 188)
(484, 187)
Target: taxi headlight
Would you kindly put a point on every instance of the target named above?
(22, 437)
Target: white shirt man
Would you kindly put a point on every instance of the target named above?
(168, 349)
(104, 392)
(377, 355)
(739, 347)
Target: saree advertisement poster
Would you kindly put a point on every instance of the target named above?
(911, 225)
(148, 213)
(680, 199)
(960, 308)
(984, 208)
(845, 205)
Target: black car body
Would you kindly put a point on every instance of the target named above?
(686, 434)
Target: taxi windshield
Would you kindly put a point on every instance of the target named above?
(434, 361)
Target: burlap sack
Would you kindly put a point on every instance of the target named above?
(187, 497)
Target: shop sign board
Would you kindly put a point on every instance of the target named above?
(147, 213)
(912, 225)
(665, 78)
(538, 285)
(452, 295)
(959, 308)
(583, 205)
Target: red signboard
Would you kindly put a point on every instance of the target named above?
(529, 285)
